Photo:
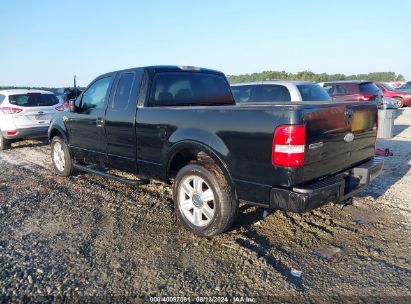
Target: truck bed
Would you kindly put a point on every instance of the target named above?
(242, 136)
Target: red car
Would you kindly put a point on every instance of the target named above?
(404, 98)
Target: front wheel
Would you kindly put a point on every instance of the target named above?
(4, 143)
(400, 103)
(203, 199)
(60, 156)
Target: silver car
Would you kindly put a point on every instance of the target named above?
(279, 90)
(26, 113)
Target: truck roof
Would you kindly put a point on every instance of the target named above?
(173, 68)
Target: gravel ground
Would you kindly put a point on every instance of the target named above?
(87, 237)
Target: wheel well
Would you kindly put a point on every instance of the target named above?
(55, 132)
(194, 154)
(185, 157)
(189, 155)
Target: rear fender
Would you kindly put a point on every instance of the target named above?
(197, 140)
(200, 136)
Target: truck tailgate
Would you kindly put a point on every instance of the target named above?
(338, 137)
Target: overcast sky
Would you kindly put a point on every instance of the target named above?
(44, 43)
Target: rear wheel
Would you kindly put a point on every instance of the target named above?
(400, 102)
(203, 199)
(60, 156)
(4, 143)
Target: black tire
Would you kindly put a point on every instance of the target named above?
(67, 169)
(4, 143)
(224, 204)
(400, 103)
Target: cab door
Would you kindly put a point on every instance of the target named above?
(120, 121)
(87, 134)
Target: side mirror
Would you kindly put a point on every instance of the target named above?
(72, 105)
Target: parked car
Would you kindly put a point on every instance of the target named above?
(181, 125)
(25, 113)
(389, 103)
(405, 87)
(281, 90)
(353, 90)
(403, 98)
(395, 84)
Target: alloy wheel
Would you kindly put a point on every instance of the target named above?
(197, 201)
(58, 157)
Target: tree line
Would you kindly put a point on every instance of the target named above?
(283, 75)
(314, 77)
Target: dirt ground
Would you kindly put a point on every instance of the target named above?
(87, 237)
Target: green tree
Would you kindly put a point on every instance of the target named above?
(314, 77)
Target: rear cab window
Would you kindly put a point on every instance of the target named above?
(33, 100)
(2, 97)
(189, 88)
(313, 92)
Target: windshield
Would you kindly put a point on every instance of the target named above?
(313, 92)
(388, 87)
(33, 100)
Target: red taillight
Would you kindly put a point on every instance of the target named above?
(288, 146)
(11, 133)
(365, 97)
(10, 110)
(66, 105)
(60, 108)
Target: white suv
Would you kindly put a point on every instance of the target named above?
(279, 91)
(26, 113)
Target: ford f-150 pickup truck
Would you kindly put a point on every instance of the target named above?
(181, 125)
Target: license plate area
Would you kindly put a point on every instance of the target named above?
(40, 117)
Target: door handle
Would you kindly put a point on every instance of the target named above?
(99, 122)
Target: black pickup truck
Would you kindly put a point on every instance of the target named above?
(181, 125)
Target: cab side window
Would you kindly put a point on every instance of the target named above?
(95, 95)
(123, 91)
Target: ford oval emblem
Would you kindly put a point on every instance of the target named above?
(349, 137)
